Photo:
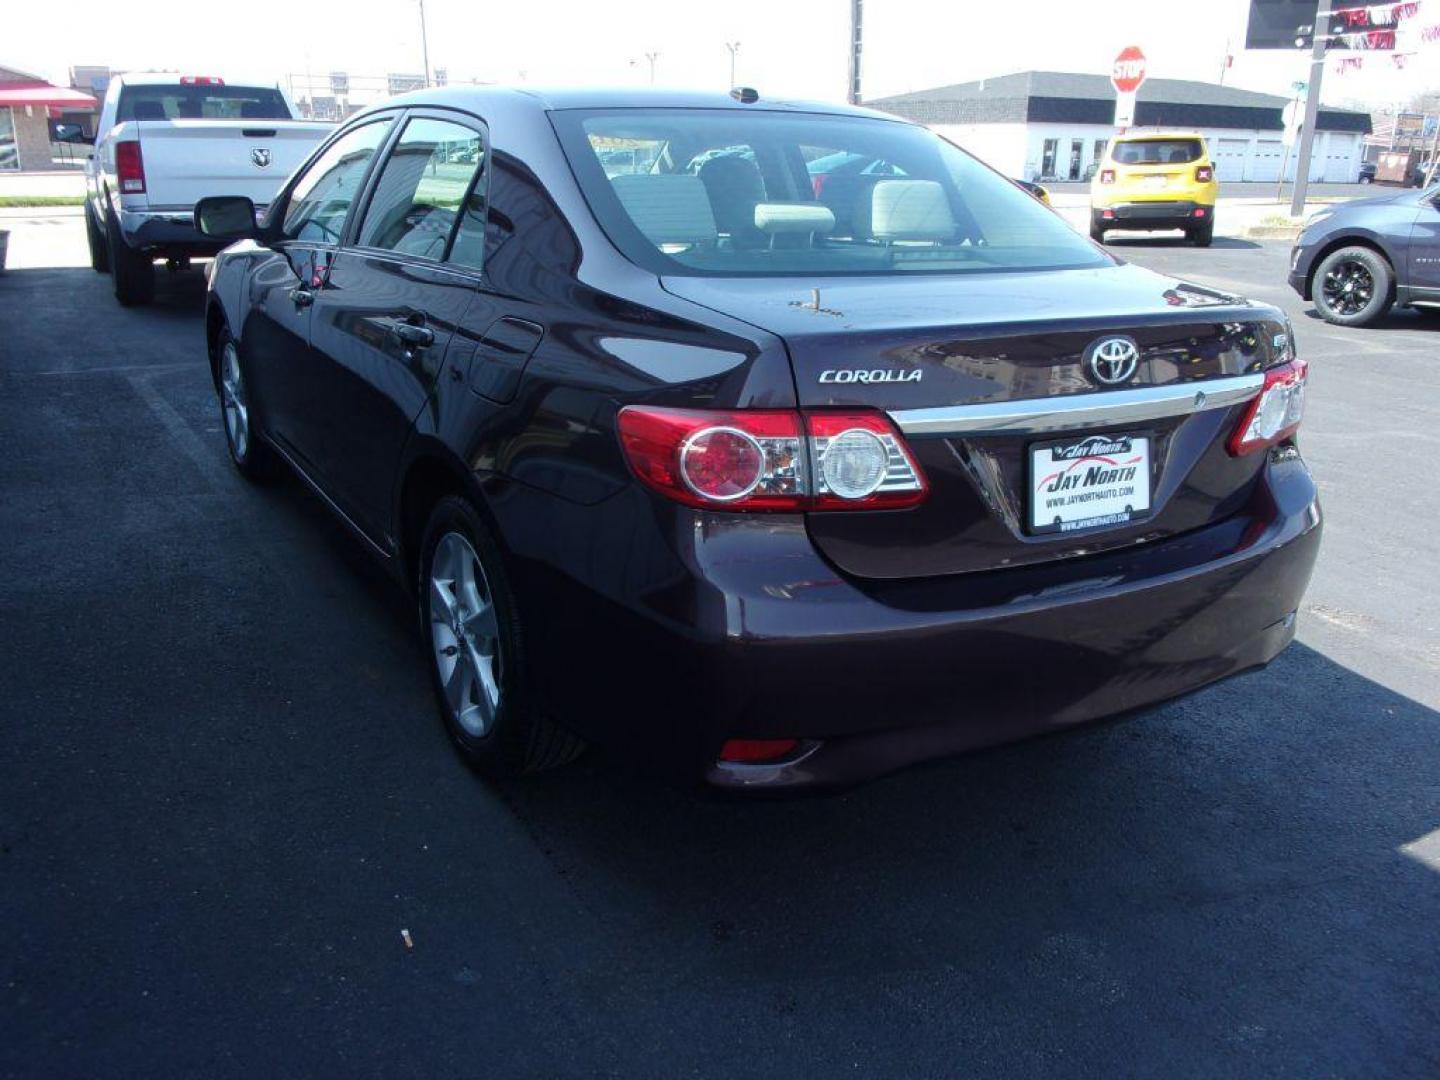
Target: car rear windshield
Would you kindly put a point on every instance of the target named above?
(1157, 151)
(202, 103)
(722, 192)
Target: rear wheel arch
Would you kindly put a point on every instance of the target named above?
(429, 476)
(1344, 242)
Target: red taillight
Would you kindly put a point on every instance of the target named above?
(817, 184)
(1276, 413)
(1200, 211)
(1108, 215)
(1204, 174)
(771, 459)
(130, 168)
(1107, 176)
(751, 750)
(201, 80)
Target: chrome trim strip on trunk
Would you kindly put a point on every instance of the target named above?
(1070, 412)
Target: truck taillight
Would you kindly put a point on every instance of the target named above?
(1204, 174)
(1107, 176)
(765, 459)
(201, 80)
(130, 168)
(1276, 413)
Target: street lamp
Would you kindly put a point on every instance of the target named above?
(734, 47)
(424, 44)
(652, 57)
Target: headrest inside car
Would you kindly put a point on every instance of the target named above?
(794, 217)
(910, 210)
(668, 209)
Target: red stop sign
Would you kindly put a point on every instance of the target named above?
(1129, 70)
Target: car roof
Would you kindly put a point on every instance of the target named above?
(483, 99)
(1142, 136)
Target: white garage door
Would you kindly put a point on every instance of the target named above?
(1269, 153)
(1339, 150)
(1230, 155)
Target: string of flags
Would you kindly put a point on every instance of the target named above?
(1379, 28)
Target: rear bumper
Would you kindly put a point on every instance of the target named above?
(1162, 214)
(166, 231)
(737, 628)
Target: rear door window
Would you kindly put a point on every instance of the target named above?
(202, 102)
(425, 190)
(321, 198)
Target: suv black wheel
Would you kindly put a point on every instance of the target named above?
(1097, 231)
(133, 271)
(251, 455)
(1202, 235)
(1352, 286)
(472, 634)
(95, 239)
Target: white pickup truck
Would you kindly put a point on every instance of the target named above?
(165, 141)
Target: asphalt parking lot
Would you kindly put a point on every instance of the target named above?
(224, 793)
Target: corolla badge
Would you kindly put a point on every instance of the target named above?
(261, 157)
(878, 375)
(1112, 360)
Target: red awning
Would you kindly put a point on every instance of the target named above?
(39, 93)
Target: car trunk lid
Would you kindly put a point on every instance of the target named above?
(982, 372)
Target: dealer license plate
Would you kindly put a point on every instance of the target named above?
(1088, 483)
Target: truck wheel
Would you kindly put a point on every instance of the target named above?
(1097, 231)
(99, 253)
(1352, 286)
(1202, 235)
(132, 271)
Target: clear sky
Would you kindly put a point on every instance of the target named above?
(787, 47)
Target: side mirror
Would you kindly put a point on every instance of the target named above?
(226, 217)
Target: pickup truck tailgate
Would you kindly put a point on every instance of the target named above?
(186, 160)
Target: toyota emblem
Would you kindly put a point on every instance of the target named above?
(261, 157)
(1113, 360)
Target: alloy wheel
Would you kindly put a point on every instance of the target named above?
(464, 634)
(232, 401)
(1348, 287)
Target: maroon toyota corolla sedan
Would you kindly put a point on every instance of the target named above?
(770, 475)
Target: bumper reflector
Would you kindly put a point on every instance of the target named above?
(757, 749)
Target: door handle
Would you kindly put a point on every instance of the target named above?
(412, 336)
(302, 297)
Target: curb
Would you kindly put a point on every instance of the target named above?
(1273, 232)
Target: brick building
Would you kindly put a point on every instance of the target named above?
(26, 102)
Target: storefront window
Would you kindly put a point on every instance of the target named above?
(1047, 158)
(9, 151)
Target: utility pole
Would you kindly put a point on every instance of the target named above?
(852, 92)
(1321, 32)
(734, 47)
(424, 44)
(653, 56)
(1225, 63)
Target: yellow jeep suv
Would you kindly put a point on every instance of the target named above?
(1164, 181)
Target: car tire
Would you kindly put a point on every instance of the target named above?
(133, 272)
(1353, 286)
(1202, 235)
(251, 455)
(1097, 233)
(471, 632)
(95, 239)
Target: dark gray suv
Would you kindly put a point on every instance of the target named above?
(1356, 259)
